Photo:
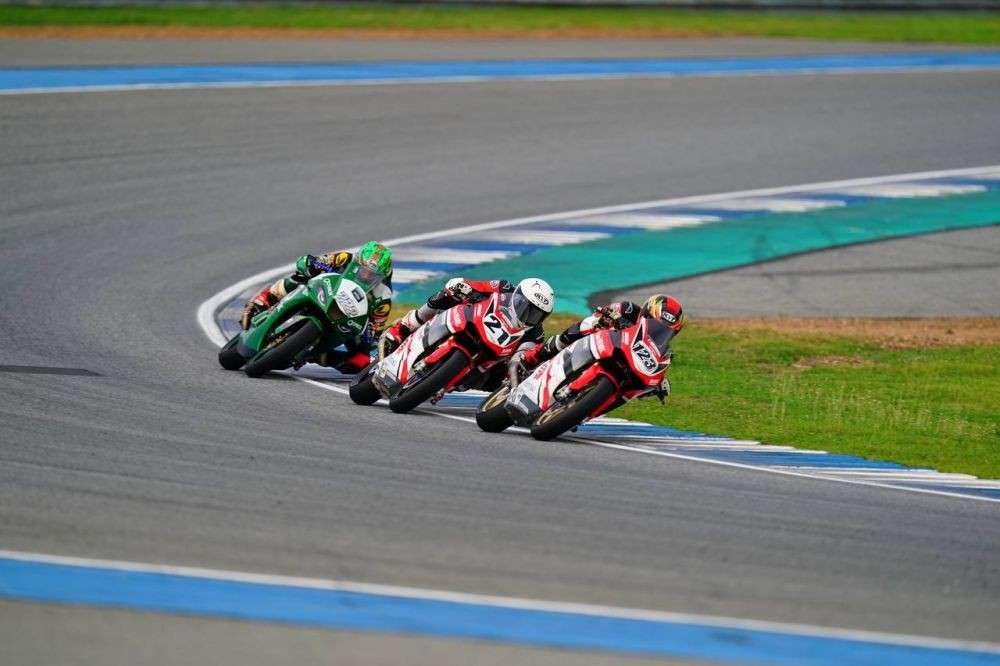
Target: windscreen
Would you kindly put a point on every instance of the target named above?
(660, 334)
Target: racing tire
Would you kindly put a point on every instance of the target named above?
(491, 415)
(436, 379)
(281, 356)
(362, 389)
(229, 358)
(556, 421)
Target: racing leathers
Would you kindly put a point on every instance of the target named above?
(613, 315)
(456, 291)
(309, 266)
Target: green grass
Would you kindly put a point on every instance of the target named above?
(956, 28)
(936, 407)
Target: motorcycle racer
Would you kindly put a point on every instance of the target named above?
(374, 268)
(613, 315)
(531, 301)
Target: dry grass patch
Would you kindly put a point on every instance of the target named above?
(130, 32)
(888, 333)
(831, 362)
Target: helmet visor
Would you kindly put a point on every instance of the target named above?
(366, 276)
(527, 312)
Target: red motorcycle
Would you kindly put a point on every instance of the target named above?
(439, 355)
(589, 378)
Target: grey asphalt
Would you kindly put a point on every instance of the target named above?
(121, 212)
(954, 273)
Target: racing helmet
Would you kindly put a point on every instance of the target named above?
(532, 301)
(666, 309)
(374, 262)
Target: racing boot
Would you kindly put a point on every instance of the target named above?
(262, 301)
(395, 335)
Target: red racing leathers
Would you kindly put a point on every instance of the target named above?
(617, 315)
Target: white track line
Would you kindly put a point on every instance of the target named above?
(207, 310)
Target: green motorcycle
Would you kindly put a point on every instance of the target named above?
(320, 314)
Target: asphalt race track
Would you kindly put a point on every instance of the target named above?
(121, 212)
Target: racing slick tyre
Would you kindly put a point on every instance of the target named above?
(434, 381)
(561, 418)
(281, 355)
(229, 358)
(491, 415)
(362, 389)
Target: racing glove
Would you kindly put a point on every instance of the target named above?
(607, 317)
(459, 289)
(303, 268)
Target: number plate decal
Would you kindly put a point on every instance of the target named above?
(643, 356)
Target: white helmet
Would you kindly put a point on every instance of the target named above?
(532, 301)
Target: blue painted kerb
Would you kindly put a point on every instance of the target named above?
(352, 610)
(13, 79)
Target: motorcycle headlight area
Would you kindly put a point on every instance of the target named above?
(334, 311)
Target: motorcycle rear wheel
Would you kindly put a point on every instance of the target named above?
(362, 389)
(437, 379)
(229, 358)
(491, 415)
(556, 421)
(281, 356)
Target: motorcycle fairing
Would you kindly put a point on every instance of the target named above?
(497, 326)
(395, 369)
(648, 350)
(536, 393)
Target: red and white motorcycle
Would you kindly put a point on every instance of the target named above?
(589, 378)
(443, 351)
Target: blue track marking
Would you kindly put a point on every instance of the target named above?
(350, 607)
(54, 79)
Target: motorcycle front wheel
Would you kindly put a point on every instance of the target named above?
(491, 415)
(229, 358)
(281, 355)
(442, 373)
(559, 419)
(362, 389)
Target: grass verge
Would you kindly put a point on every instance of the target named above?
(958, 28)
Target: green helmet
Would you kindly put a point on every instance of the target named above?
(374, 263)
